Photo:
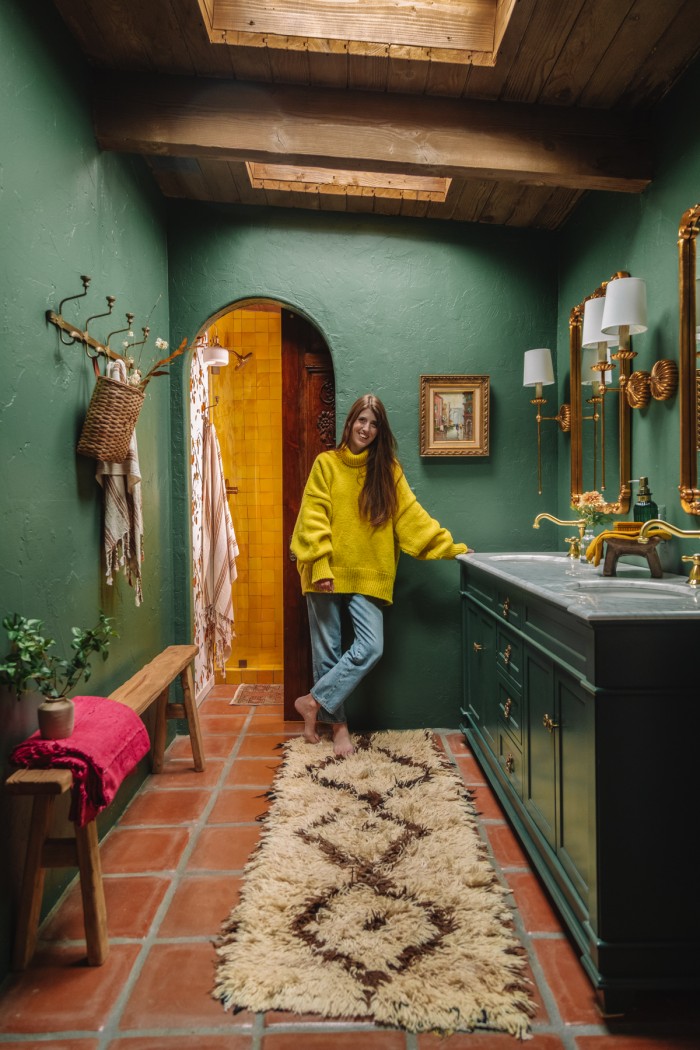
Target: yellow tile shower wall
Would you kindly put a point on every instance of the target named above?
(248, 422)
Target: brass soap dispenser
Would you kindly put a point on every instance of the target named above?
(645, 509)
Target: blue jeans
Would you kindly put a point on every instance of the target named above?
(336, 673)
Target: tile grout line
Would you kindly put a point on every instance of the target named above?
(111, 1029)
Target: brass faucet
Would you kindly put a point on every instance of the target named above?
(658, 523)
(580, 523)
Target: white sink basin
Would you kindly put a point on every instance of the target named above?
(560, 558)
(633, 588)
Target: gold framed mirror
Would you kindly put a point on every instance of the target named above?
(599, 450)
(689, 385)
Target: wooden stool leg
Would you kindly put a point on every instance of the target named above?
(33, 883)
(160, 731)
(192, 718)
(93, 894)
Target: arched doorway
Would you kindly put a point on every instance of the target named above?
(273, 408)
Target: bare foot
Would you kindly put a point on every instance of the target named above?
(307, 707)
(342, 744)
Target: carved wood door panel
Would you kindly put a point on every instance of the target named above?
(308, 427)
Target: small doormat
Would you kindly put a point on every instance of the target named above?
(371, 896)
(259, 694)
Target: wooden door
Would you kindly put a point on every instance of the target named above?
(308, 427)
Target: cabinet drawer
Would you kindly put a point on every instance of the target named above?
(510, 759)
(509, 607)
(510, 709)
(509, 655)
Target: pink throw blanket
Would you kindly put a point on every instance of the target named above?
(107, 742)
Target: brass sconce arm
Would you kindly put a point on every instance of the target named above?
(580, 523)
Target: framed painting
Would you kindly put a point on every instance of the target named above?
(454, 415)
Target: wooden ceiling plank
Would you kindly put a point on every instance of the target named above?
(109, 34)
(328, 63)
(387, 206)
(219, 181)
(420, 23)
(367, 72)
(487, 81)
(246, 193)
(592, 33)
(473, 199)
(404, 74)
(557, 209)
(207, 60)
(447, 80)
(214, 118)
(289, 65)
(646, 19)
(529, 205)
(545, 35)
(251, 61)
(662, 66)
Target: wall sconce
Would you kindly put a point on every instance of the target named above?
(625, 314)
(214, 355)
(595, 365)
(538, 372)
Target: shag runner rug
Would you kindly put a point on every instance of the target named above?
(371, 896)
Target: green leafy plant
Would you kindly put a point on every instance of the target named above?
(30, 666)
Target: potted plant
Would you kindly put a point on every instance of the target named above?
(29, 666)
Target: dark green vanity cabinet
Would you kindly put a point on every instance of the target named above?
(585, 728)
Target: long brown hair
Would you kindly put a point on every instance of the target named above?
(378, 496)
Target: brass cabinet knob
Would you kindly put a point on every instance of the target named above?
(506, 608)
(549, 724)
(507, 654)
(477, 647)
(507, 708)
(510, 763)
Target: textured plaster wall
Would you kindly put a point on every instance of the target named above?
(639, 234)
(66, 210)
(396, 299)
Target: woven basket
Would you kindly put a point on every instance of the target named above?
(110, 421)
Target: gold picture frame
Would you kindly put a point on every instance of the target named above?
(454, 415)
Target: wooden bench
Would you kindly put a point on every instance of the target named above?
(150, 684)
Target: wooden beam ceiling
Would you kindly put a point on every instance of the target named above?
(266, 123)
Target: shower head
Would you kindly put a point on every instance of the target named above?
(242, 358)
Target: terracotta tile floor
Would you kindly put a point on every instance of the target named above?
(173, 867)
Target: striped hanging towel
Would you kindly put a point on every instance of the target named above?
(123, 514)
(219, 552)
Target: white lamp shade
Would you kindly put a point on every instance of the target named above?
(589, 357)
(625, 304)
(215, 356)
(592, 324)
(538, 367)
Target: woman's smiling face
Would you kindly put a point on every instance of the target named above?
(363, 432)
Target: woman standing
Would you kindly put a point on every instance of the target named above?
(357, 512)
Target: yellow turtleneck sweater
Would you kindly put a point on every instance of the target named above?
(331, 541)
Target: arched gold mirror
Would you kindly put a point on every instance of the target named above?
(689, 375)
(600, 438)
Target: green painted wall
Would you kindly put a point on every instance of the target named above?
(610, 232)
(65, 210)
(395, 299)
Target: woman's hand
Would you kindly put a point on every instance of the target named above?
(324, 585)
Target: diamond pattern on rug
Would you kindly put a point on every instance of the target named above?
(259, 694)
(371, 896)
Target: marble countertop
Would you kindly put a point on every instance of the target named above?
(584, 592)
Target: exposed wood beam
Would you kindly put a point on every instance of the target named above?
(194, 117)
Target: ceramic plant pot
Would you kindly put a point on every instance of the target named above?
(56, 718)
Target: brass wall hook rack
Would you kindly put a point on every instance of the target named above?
(83, 336)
